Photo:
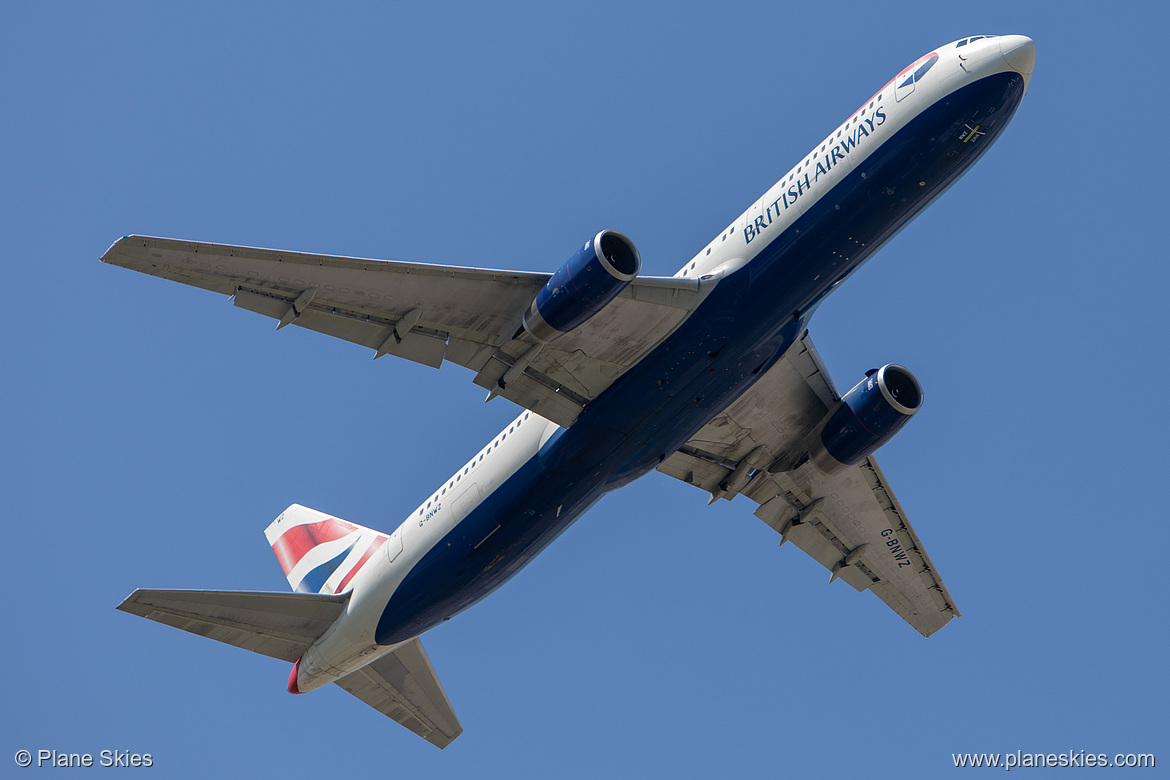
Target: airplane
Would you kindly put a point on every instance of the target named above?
(708, 376)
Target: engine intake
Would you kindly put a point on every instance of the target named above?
(868, 416)
(580, 288)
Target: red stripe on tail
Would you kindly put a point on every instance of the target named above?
(381, 540)
(299, 539)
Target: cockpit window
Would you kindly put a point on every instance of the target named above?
(965, 41)
(926, 64)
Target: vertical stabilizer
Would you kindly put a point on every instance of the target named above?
(320, 553)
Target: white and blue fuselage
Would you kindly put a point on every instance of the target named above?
(767, 271)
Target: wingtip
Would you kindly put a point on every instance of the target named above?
(129, 603)
(445, 742)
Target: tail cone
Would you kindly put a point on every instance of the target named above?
(292, 677)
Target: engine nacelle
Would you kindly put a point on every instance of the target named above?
(868, 416)
(581, 287)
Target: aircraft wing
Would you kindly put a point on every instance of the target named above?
(851, 523)
(403, 686)
(430, 313)
(278, 625)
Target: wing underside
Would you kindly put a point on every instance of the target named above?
(431, 314)
(851, 523)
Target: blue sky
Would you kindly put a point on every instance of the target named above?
(151, 431)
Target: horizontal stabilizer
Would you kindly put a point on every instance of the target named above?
(403, 686)
(279, 625)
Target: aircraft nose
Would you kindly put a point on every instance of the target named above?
(1020, 53)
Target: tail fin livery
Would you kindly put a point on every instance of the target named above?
(320, 553)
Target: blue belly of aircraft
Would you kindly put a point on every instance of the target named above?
(741, 329)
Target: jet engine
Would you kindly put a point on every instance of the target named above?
(866, 418)
(580, 288)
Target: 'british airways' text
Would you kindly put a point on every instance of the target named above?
(803, 183)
